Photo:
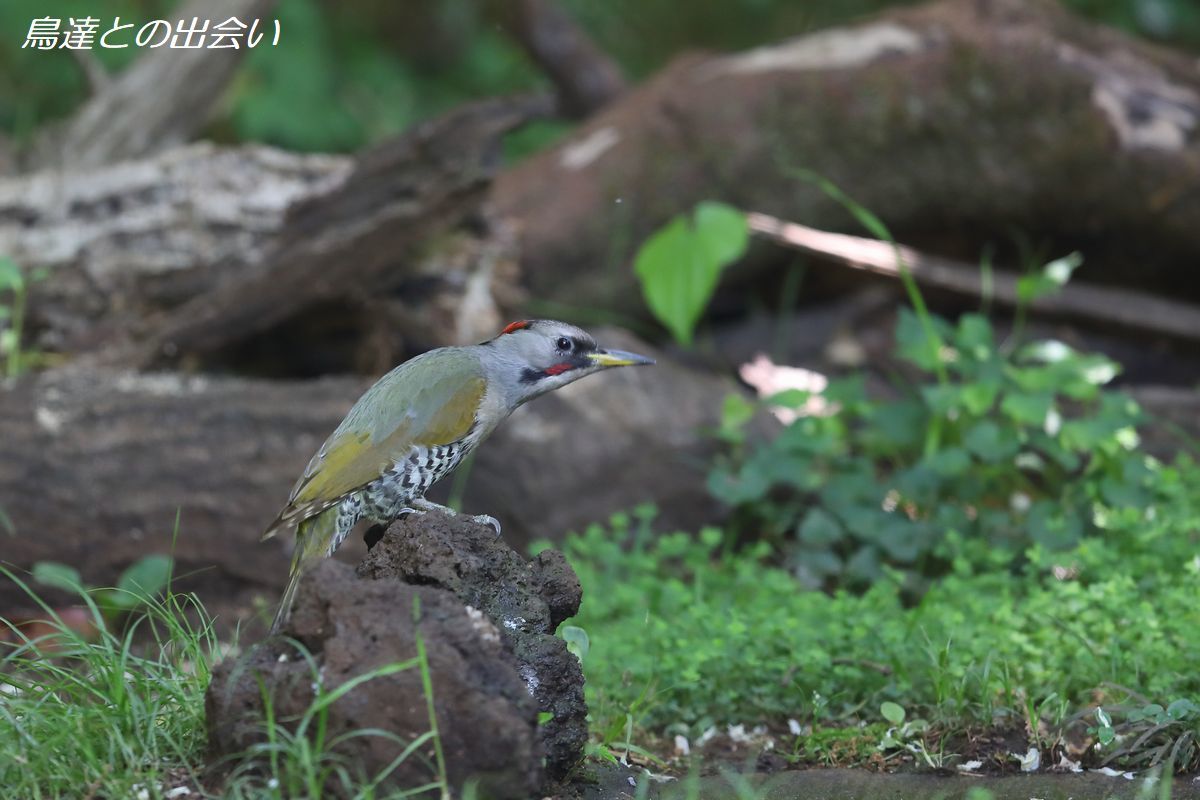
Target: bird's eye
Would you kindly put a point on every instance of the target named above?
(563, 344)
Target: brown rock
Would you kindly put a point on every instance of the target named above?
(526, 600)
(486, 718)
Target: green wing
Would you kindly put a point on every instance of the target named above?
(429, 400)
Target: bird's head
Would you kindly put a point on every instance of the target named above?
(535, 356)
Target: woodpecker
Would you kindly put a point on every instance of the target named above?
(417, 423)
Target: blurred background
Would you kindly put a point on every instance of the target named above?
(345, 75)
(920, 279)
(209, 252)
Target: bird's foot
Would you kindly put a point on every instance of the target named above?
(487, 519)
(423, 506)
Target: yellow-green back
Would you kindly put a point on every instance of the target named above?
(429, 400)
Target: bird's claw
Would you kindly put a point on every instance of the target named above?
(487, 519)
(425, 506)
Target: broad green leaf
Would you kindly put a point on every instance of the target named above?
(901, 538)
(577, 641)
(679, 265)
(1181, 708)
(819, 561)
(950, 462)
(978, 396)
(58, 576)
(892, 712)
(819, 528)
(1029, 408)
(985, 440)
(676, 281)
(941, 398)
(912, 343)
(723, 231)
(790, 398)
(864, 564)
(145, 577)
(974, 336)
(736, 411)
(10, 275)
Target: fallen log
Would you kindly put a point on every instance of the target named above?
(200, 248)
(95, 464)
(958, 120)
(357, 240)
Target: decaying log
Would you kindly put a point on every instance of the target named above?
(163, 99)
(357, 239)
(95, 464)
(200, 246)
(961, 119)
(1124, 308)
(123, 242)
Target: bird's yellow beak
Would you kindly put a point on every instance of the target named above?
(618, 358)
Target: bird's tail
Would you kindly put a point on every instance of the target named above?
(313, 537)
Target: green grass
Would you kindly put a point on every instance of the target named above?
(98, 717)
(684, 634)
(92, 710)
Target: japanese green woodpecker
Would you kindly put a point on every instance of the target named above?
(417, 423)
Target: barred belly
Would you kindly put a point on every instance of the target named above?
(406, 480)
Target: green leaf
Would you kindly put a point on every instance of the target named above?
(941, 398)
(985, 440)
(679, 265)
(58, 576)
(819, 560)
(577, 641)
(902, 539)
(723, 231)
(1181, 709)
(864, 564)
(736, 411)
(1029, 408)
(819, 528)
(912, 343)
(950, 462)
(1053, 525)
(10, 275)
(144, 578)
(974, 336)
(1049, 280)
(892, 712)
(978, 397)
(544, 717)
